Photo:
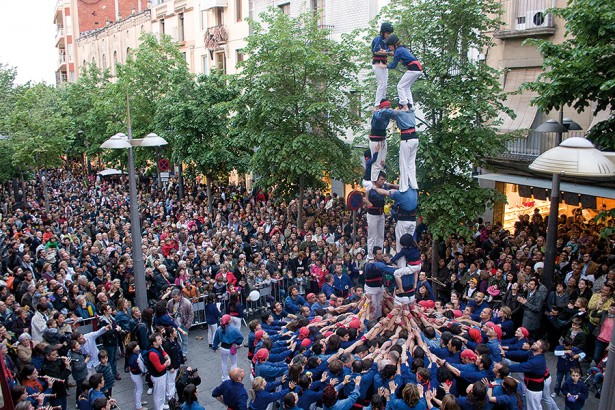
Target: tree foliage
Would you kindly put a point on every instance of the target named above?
(40, 127)
(461, 99)
(196, 120)
(580, 70)
(295, 99)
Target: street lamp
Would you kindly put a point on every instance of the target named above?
(123, 141)
(558, 127)
(574, 157)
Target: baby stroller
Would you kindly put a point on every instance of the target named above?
(595, 376)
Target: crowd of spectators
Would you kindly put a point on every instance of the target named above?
(70, 267)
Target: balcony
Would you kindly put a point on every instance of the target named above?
(329, 28)
(60, 36)
(61, 77)
(215, 37)
(211, 4)
(62, 61)
(527, 149)
(526, 18)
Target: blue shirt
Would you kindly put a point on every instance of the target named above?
(379, 44)
(367, 176)
(380, 121)
(407, 201)
(229, 336)
(406, 120)
(403, 55)
(293, 305)
(233, 393)
(342, 284)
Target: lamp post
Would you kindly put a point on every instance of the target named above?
(574, 157)
(122, 141)
(558, 128)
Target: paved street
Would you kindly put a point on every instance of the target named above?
(199, 356)
(208, 363)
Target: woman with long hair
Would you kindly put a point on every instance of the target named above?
(476, 398)
(262, 394)
(191, 396)
(510, 399)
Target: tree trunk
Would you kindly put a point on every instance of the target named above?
(300, 207)
(210, 205)
(435, 257)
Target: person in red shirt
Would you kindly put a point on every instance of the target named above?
(158, 362)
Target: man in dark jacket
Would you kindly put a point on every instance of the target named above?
(232, 392)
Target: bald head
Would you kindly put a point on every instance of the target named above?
(236, 374)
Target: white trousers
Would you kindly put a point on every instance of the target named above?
(375, 233)
(546, 395)
(137, 379)
(367, 185)
(211, 332)
(225, 355)
(382, 157)
(407, 270)
(532, 399)
(160, 387)
(376, 295)
(382, 76)
(236, 322)
(401, 228)
(404, 86)
(170, 389)
(407, 164)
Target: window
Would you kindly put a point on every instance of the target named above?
(238, 56)
(204, 63)
(180, 27)
(114, 61)
(161, 26)
(238, 10)
(285, 8)
(219, 16)
(220, 59)
(203, 20)
(104, 61)
(184, 56)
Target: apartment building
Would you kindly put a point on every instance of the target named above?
(221, 29)
(73, 18)
(509, 172)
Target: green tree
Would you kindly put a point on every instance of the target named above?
(580, 70)
(40, 127)
(461, 100)
(8, 95)
(196, 119)
(154, 69)
(92, 110)
(294, 105)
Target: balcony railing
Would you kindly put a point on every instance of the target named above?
(329, 28)
(530, 147)
(526, 18)
(215, 37)
(59, 35)
(61, 59)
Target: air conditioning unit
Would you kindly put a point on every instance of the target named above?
(538, 19)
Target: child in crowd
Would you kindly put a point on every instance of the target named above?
(104, 368)
(574, 390)
(568, 358)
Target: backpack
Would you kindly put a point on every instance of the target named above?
(143, 362)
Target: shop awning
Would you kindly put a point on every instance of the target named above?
(519, 102)
(600, 192)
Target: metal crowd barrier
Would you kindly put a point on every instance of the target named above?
(87, 325)
(269, 294)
